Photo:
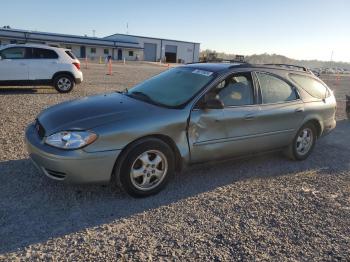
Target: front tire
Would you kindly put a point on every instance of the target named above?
(64, 83)
(303, 143)
(147, 168)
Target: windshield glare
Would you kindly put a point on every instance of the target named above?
(174, 87)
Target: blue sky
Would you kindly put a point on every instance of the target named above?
(308, 29)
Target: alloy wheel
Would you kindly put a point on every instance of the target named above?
(148, 170)
(304, 141)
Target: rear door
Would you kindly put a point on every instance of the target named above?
(43, 64)
(281, 110)
(14, 65)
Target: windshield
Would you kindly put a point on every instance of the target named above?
(173, 87)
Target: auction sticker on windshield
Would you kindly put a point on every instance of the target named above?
(202, 72)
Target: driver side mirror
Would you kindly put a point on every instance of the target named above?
(211, 103)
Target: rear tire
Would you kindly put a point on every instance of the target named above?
(63, 83)
(147, 168)
(303, 143)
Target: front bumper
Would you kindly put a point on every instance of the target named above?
(329, 126)
(71, 166)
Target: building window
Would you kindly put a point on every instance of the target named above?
(68, 47)
(131, 53)
(13, 42)
(93, 50)
(106, 51)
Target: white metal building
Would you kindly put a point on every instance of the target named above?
(155, 49)
(119, 46)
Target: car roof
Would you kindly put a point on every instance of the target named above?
(213, 67)
(31, 45)
(224, 67)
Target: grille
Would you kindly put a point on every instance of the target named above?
(40, 129)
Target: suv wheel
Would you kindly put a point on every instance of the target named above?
(303, 143)
(147, 167)
(64, 83)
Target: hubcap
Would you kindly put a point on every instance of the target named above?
(148, 170)
(64, 84)
(304, 141)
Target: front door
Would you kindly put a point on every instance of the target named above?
(227, 132)
(13, 64)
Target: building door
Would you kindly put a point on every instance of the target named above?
(82, 51)
(150, 52)
(120, 54)
(170, 53)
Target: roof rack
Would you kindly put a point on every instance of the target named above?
(290, 66)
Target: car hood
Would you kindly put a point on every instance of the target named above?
(89, 112)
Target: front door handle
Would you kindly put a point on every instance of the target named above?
(299, 110)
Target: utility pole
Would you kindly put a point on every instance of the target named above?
(127, 28)
(94, 33)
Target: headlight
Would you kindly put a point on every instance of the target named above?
(71, 139)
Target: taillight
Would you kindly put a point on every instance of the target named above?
(77, 65)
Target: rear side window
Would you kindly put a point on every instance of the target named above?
(275, 90)
(311, 85)
(42, 53)
(14, 53)
(70, 54)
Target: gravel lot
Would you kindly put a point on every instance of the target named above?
(262, 208)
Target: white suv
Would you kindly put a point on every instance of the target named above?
(32, 64)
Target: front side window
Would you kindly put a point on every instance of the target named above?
(173, 87)
(311, 85)
(13, 53)
(106, 51)
(131, 53)
(236, 90)
(42, 53)
(274, 89)
(93, 50)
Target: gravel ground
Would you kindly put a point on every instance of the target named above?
(262, 208)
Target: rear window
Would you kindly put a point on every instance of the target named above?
(42, 53)
(70, 54)
(314, 87)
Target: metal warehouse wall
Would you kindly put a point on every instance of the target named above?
(187, 51)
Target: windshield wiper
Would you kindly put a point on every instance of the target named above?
(125, 91)
(141, 95)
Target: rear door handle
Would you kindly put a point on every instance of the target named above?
(249, 117)
(299, 110)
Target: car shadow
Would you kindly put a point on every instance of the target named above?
(34, 208)
(26, 90)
